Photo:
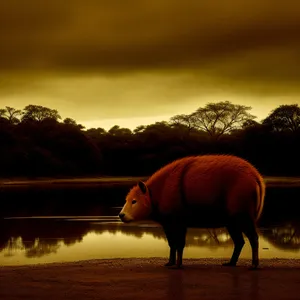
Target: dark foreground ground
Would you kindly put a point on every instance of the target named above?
(148, 279)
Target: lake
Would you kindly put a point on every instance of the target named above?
(31, 240)
(60, 222)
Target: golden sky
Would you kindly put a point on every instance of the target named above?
(138, 61)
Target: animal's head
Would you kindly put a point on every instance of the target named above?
(138, 204)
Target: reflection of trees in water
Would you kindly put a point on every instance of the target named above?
(36, 248)
(12, 245)
(284, 237)
(41, 248)
(42, 237)
(195, 236)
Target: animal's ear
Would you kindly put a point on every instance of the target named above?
(143, 187)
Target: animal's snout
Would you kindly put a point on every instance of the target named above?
(121, 215)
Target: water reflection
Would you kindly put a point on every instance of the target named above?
(45, 240)
(38, 237)
(285, 237)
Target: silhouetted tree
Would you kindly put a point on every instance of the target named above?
(284, 118)
(117, 130)
(157, 133)
(183, 121)
(96, 132)
(13, 115)
(220, 118)
(72, 122)
(250, 123)
(2, 113)
(3, 118)
(39, 113)
(139, 129)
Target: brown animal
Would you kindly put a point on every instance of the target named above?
(201, 191)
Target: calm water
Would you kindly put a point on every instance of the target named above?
(64, 238)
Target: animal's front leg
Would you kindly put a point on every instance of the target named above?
(172, 257)
(179, 258)
(176, 236)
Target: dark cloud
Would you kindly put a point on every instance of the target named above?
(137, 34)
(82, 56)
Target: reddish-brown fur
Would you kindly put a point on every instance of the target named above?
(226, 190)
(208, 174)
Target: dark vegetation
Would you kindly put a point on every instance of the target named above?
(36, 142)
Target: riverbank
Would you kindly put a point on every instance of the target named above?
(271, 181)
(147, 279)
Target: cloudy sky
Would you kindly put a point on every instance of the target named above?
(132, 62)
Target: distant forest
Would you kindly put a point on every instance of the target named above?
(37, 142)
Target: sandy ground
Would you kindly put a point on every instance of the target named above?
(148, 279)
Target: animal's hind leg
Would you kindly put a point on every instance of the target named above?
(238, 240)
(249, 229)
(180, 244)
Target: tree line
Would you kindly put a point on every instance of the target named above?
(37, 142)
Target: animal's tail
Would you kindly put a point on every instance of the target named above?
(261, 192)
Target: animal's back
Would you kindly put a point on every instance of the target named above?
(209, 186)
(218, 186)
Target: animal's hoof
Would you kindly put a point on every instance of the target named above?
(229, 264)
(254, 267)
(176, 267)
(169, 264)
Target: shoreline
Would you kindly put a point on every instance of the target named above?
(271, 181)
(147, 278)
(159, 261)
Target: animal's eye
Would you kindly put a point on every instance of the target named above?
(133, 201)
